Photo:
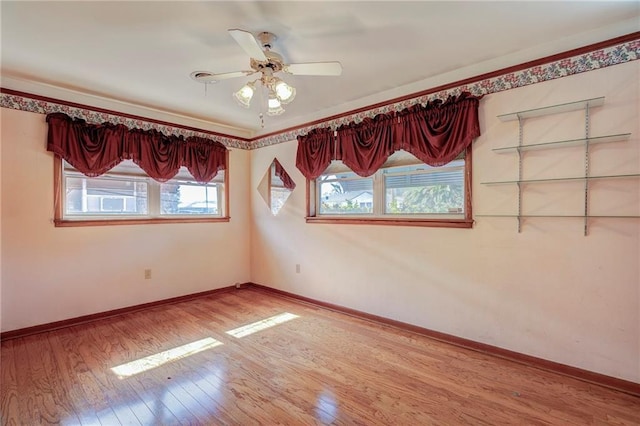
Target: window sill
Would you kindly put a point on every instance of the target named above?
(146, 221)
(435, 223)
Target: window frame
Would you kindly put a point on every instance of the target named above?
(394, 220)
(60, 221)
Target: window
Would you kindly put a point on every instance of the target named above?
(404, 191)
(127, 195)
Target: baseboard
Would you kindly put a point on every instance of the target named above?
(43, 328)
(621, 385)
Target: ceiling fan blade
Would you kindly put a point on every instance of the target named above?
(314, 68)
(248, 42)
(208, 77)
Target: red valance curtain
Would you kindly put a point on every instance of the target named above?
(204, 158)
(94, 149)
(364, 147)
(436, 134)
(284, 176)
(315, 152)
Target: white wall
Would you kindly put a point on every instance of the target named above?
(51, 274)
(549, 291)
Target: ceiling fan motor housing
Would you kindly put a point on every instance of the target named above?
(274, 62)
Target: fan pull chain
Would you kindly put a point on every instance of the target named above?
(261, 115)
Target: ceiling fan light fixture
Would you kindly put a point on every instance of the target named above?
(244, 95)
(274, 106)
(284, 92)
(266, 62)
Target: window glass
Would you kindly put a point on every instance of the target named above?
(421, 189)
(345, 194)
(403, 188)
(104, 195)
(126, 192)
(180, 198)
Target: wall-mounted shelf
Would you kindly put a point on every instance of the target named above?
(553, 109)
(561, 144)
(587, 140)
(560, 215)
(561, 179)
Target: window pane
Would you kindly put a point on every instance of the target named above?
(422, 189)
(345, 193)
(182, 198)
(103, 196)
(129, 194)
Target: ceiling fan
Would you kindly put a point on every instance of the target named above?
(267, 62)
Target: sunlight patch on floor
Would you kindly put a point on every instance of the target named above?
(156, 360)
(248, 329)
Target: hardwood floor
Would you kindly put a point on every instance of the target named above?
(313, 366)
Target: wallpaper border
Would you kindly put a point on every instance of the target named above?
(593, 60)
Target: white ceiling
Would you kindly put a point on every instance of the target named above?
(136, 57)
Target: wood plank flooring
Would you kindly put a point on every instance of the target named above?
(320, 367)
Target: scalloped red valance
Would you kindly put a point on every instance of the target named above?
(435, 133)
(315, 151)
(94, 149)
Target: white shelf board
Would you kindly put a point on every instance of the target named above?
(577, 178)
(553, 109)
(559, 215)
(568, 142)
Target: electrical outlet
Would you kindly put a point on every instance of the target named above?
(297, 268)
(147, 274)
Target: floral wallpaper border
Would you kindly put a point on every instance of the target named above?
(601, 58)
(618, 54)
(39, 106)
